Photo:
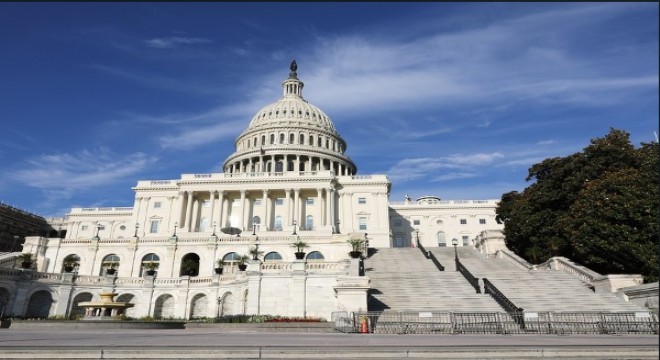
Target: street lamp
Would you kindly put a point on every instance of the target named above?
(137, 226)
(215, 223)
(176, 224)
(338, 232)
(417, 236)
(294, 227)
(254, 225)
(454, 242)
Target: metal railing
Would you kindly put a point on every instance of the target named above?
(431, 256)
(439, 322)
(508, 305)
(474, 281)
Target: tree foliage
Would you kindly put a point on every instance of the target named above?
(598, 207)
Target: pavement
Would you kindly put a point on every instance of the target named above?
(209, 343)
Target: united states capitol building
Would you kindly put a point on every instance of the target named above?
(288, 181)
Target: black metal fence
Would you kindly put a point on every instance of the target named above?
(431, 256)
(474, 281)
(433, 322)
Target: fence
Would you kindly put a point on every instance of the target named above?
(434, 322)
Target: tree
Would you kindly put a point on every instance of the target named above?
(598, 207)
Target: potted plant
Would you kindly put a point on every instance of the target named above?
(70, 262)
(151, 267)
(221, 264)
(255, 252)
(112, 267)
(356, 245)
(242, 262)
(26, 260)
(300, 247)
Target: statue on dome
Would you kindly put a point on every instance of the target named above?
(293, 66)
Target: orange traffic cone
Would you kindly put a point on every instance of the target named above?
(363, 325)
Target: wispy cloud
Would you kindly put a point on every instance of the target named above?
(461, 166)
(173, 41)
(59, 176)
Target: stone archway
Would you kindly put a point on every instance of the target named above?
(39, 305)
(164, 307)
(127, 298)
(227, 302)
(77, 310)
(199, 306)
(4, 301)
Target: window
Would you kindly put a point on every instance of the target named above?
(362, 221)
(281, 138)
(292, 138)
(84, 228)
(272, 139)
(263, 139)
(398, 222)
(309, 222)
(466, 240)
(231, 257)
(463, 222)
(442, 241)
(206, 203)
(154, 226)
(362, 201)
(123, 227)
(319, 142)
(315, 255)
(302, 139)
(203, 224)
(415, 222)
(150, 259)
(309, 201)
(279, 201)
(257, 202)
(157, 205)
(109, 262)
(482, 221)
(278, 223)
(272, 256)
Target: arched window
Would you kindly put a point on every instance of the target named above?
(311, 140)
(281, 138)
(231, 257)
(150, 261)
(109, 262)
(263, 139)
(279, 166)
(256, 221)
(248, 145)
(442, 241)
(273, 256)
(309, 222)
(254, 141)
(189, 265)
(272, 139)
(302, 139)
(292, 138)
(278, 223)
(71, 263)
(319, 143)
(315, 255)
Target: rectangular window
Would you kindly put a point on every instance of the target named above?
(154, 226)
(397, 222)
(157, 205)
(466, 240)
(415, 222)
(206, 203)
(363, 223)
(482, 221)
(84, 228)
(279, 201)
(362, 201)
(309, 201)
(257, 202)
(463, 222)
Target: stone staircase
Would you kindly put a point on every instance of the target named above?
(534, 290)
(403, 279)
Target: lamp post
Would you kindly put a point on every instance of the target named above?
(137, 226)
(254, 225)
(417, 237)
(294, 227)
(176, 224)
(338, 232)
(214, 225)
(454, 242)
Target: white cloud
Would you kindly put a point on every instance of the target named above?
(462, 166)
(172, 41)
(59, 176)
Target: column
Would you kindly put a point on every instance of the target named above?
(320, 207)
(287, 199)
(242, 219)
(146, 214)
(297, 164)
(171, 200)
(197, 205)
(188, 216)
(265, 221)
(328, 201)
(296, 206)
(340, 209)
(221, 200)
(211, 219)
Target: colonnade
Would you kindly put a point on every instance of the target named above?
(284, 163)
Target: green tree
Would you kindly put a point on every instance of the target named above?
(598, 207)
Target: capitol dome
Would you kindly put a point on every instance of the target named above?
(290, 135)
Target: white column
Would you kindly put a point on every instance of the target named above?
(212, 195)
(188, 216)
(297, 165)
(221, 200)
(146, 214)
(328, 203)
(340, 209)
(242, 220)
(320, 207)
(179, 208)
(197, 205)
(287, 199)
(172, 200)
(296, 206)
(265, 222)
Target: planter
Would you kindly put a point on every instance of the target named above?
(68, 269)
(26, 264)
(218, 271)
(150, 272)
(355, 254)
(110, 271)
(300, 255)
(242, 267)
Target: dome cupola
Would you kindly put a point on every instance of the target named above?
(290, 135)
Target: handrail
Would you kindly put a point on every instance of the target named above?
(515, 312)
(514, 258)
(429, 255)
(474, 281)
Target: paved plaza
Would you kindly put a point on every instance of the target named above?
(211, 343)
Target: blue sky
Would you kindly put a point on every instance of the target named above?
(456, 100)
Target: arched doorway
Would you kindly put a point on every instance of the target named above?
(164, 306)
(126, 298)
(227, 304)
(39, 305)
(4, 301)
(189, 265)
(76, 310)
(199, 306)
